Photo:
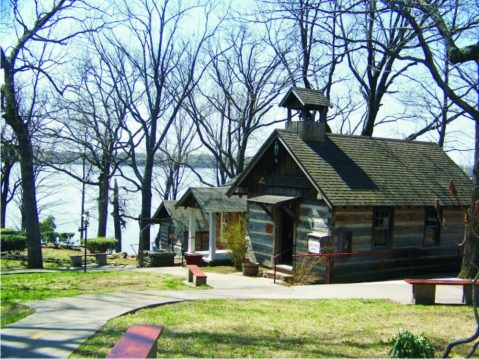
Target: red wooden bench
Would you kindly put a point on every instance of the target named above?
(196, 275)
(424, 290)
(139, 341)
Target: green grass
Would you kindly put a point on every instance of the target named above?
(293, 328)
(16, 289)
(55, 258)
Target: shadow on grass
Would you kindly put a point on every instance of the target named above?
(213, 344)
(201, 344)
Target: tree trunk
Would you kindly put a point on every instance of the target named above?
(144, 220)
(116, 217)
(4, 195)
(373, 99)
(29, 203)
(103, 193)
(470, 259)
(29, 200)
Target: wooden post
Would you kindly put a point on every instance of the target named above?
(328, 270)
(212, 236)
(191, 231)
(424, 293)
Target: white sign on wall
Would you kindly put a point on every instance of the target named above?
(314, 246)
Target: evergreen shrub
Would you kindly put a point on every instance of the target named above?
(408, 345)
(100, 244)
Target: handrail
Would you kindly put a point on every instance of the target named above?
(275, 259)
(343, 254)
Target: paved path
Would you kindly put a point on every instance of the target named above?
(59, 326)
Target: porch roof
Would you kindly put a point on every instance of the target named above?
(274, 200)
(168, 212)
(212, 200)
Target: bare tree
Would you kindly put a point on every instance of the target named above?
(174, 158)
(158, 66)
(243, 82)
(32, 54)
(374, 37)
(8, 183)
(306, 36)
(117, 214)
(432, 110)
(463, 92)
(90, 121)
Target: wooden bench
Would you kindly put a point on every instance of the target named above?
(424, 290)
(196, 275)
(139, 341)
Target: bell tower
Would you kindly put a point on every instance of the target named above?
(308, 103)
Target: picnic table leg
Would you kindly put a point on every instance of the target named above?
(424, 293)
(467, 295)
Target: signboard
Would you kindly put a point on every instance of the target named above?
(314, 246)
(269, 228)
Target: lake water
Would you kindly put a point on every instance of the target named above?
(59, 195)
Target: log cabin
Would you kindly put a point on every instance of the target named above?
(174, 226)
(364, 208)
(220, 210)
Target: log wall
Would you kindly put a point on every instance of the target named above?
(260, 233)
(314, 216)
(406, 255)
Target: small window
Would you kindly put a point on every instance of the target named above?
(346, 241)
(432, 227)
(382, 227)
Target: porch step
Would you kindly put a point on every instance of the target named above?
(284, 268)
(280, 276)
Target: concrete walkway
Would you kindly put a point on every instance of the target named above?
(59, 326)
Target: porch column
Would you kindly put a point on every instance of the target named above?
(212, 236)
(191, 231)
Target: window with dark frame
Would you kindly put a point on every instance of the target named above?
(346, 241)
(432, 227)
(382, 226)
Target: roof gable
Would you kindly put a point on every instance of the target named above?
(365, 171)
(355, 170)
(298, 98)
(212, 199)
(179, 216)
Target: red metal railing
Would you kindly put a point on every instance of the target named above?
(328, 257)
(275, 261)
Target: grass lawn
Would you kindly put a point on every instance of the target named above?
(16, 289)
(292, 328)
(54, 258)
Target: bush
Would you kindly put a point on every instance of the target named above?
(100, 244)
(66, 238)
(304, 270)
(49, 237)
(48, 224)
(235, 240)
(12, 240)
(408, 345)
(56, 238)
(6, 231)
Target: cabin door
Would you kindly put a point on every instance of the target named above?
(286, 237)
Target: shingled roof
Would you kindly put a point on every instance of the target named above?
(298, 98)
(365, 171)
(167, 211)
(212, 199)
